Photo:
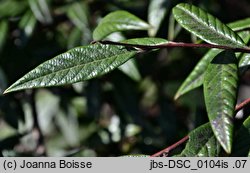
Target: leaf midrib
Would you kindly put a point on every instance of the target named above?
(71, 67)
(210, 28)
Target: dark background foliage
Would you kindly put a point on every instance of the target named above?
(111, 115)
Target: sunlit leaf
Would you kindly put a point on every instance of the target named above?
(130, 69)
(206, 26)
(242, 140)
(77, 13)
(41, 11)
(146, 41)
(195, 78)
(245, 60)
(156, 12)
(77, 64)
(28, 23)
(240, 24)
(202, 143)
(220, 90)
(118, 21)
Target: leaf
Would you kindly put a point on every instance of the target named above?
(146, 41)
(202, 142)
(242, 140)
(245, 60)
(118, 21)
(78, 64)
(10, 8)
(28, 23)
(130, 69)
(220, 91)
(77, 13)
(156, 12)
(195, 78)
(205, 26)
(3, 33)
(240, 24)
(40, 9)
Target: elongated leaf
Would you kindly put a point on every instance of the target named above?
(118, 21)
(156, 12)
(77, 13)
(41, 11)
(245, 60)
(206, 26)
(130, 69)
(81, 63)
(195, 78)
(240, 24)
(202, 142)
(146, 41)
(3, 32)
(242, 140)
(220, 90)
(28, 23)
(77, 64)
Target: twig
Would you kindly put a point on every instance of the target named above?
(242, 104)
(175, 44)
(168, 149)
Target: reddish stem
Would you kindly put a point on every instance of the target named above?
(175, 44)
(242, 104)
(168, 149)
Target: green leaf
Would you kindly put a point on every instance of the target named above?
(3, 32)
(78, 64)
(156, 12)
(202, 142)
(130, 69)
(195, 78)
(28, 23)
(242, 140)
(245, 60)
(77, 13)
(220, 91)
(146, 41)
(10, 8)
(205, 26)
(240, 24)
(118, 21)
(41, 11)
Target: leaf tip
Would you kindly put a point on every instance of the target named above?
(177, 95)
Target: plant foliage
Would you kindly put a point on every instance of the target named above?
(90, 85)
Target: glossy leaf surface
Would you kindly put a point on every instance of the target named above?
(202, 143)
(220, 91)
(77, 64)
(156, 12)
(195, 78)
(205, 26)
(240, 24)
(118, 21)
